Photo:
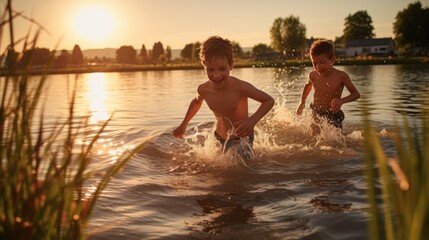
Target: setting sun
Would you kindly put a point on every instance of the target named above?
(94, 24)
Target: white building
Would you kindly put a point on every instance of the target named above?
(370, 47)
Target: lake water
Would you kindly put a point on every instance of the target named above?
(296, 187)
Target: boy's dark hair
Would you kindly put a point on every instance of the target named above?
(320, 47)
(215, 47)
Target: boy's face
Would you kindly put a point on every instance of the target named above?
(218, 70)
(322, 63)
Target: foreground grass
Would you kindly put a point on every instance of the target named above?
(402, 213)
(44, 173)
(44, 176)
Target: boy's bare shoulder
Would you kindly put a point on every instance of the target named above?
(340, 72)
(204, 84)
(236, 80)
(341, 75)
(203, 87)
(312, 74)
(239, 84)
(240, 81)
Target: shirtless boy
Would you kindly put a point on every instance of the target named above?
(328, 83)
(225, 95)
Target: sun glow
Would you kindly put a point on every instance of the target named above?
(94, 23)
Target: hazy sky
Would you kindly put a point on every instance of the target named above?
(113, 23)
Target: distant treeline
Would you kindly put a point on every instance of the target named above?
(288, 41)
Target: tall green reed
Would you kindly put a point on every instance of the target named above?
(402, 213)
(44, 173)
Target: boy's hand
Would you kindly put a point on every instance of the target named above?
(179, 131)
(300, 108)
(336, 104)
(244, 127)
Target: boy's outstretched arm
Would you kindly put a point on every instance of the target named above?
(193, 108)
(304, 95)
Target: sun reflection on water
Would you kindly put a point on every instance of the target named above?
(97, 95)
(106, 148)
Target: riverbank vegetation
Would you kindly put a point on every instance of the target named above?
(181, 65)
(50, 181)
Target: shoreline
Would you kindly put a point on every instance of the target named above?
(197, 65)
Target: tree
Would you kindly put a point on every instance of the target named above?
(35, 57)
(77, 56)
(11, 59)
(411, 28)
(196, 50)
(191, 51)
(276, 36)
(63, 60)
(261, 49)
(126, 54)
(238, 51)
(339, 41)
(157, 51)
(288, 35)
(143, 54)
(186, 52)
(168, 53)
(358, 26)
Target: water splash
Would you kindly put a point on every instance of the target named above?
(279, 137)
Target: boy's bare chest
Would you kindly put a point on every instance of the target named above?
(326, 84)
(223, 103)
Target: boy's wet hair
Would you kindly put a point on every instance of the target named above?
(320, 47)
(215, 47)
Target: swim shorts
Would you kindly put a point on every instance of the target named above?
(243, 149)
(334, 118)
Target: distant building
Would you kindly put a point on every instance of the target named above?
(370, 47)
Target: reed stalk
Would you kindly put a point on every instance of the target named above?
(43, 173)
(402, 180)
